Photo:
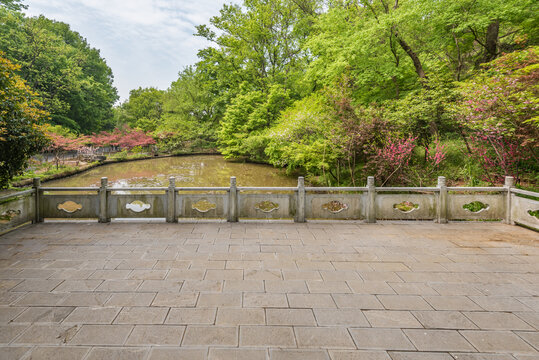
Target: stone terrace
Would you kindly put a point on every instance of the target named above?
(269, 291)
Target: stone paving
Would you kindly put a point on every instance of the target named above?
(387, 291)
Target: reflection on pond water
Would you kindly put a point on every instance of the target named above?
(189, 171)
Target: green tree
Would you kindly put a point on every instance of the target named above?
(143, 109)
(73, 81)
(21, 134)
(190, 110)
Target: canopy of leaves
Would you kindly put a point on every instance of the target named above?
(73, 82)
(20, 119)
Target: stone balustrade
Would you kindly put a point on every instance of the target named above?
(235, 203)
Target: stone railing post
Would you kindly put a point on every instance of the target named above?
(233, 201)
(371, 200)
(442, 200)
(300, 207)
(509, 183)
(103, 201)
(37, 203)
(171, 201)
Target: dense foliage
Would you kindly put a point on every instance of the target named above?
(71, 79)
(406, 90)
(20, 119)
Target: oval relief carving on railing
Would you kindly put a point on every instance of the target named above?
(534, 213)
(203, 206)
(476, 207)
(69, 206)
(406, 207)
(335, 206)
(266, 206)
(8, 215)
(137, 206)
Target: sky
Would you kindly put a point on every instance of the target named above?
(145, 42)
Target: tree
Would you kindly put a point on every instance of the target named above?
(191, 110)
(499, 110)
(143, 109)
(21, 133)
(73, 82)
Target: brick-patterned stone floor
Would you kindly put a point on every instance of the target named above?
(269, 291)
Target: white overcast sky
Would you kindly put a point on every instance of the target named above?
(145, 42)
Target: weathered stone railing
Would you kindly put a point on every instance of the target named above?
(233, 203)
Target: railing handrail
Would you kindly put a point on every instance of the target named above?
(20, 193)
(525, 192)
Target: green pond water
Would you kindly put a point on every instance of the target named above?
(189, 171)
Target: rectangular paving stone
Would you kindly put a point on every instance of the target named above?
(358, 355)
(395, 355)
(340, 317)
(78, 285)
(328, 287)
(190, 274)
(9, 313)
(444, 320)
(460, 303)
(291, 317)
(282, 354)
(49, 334)
(391, 319)
(156, 335)
(32, 299)
(118, 285)
(497, 321)
(267, 336)
(209, 300)
(106, 353)
(382, 339)
(85, 299)
(499, 303)
(237, 354)
(92, 315)
(163, 353)
(101, 335)
(404, 302)
(497, 341)
(226, 274)
(357, 301)
(142, 315)
(191, 286)
(187, 299)
(264, 300)
(211, 335)
(130, 299)
(243, 285)
(37, 285)
(59, 353)
(172, 286)
(44, 314)
(231, 316)
(191, 316)
(438, 340)
(324, 337)
(286, 286)
(370, 287)
(310, 301)
(10, 332)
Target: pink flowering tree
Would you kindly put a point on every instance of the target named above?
(391, 162)
(499, 113)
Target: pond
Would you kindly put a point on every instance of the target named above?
(189, 171)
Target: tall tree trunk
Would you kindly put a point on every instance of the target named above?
(415, 59)
(491, 41)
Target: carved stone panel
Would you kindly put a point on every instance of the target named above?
(69, 206)
(137, 206)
